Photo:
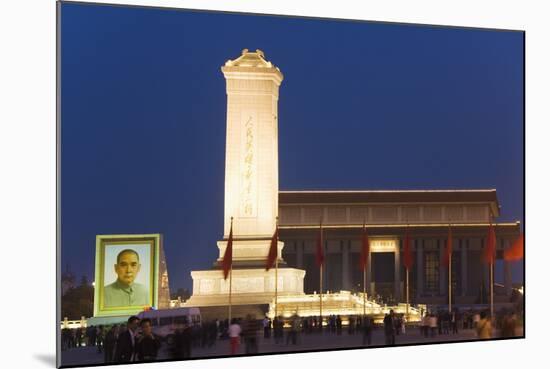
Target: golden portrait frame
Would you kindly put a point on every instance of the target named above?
(102, 243)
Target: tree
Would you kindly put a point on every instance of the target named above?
(84, 281)
(78, 302)
(181, 292)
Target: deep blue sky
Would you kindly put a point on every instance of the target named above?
(363, 106)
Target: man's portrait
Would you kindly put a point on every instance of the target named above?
(126, 273)
(125, 291)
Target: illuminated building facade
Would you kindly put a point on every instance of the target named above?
(388, 214)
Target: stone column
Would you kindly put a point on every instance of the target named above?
(464, 268)
(419, 268)
(507, 274)
(397, 275)
(486, 273)
(300, 254)
(507, 278)
(443, 273)
(370, 289)
(345, 267)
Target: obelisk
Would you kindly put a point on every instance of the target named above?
(251, 154)
(251, 189)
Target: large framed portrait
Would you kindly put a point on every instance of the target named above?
(126, 274)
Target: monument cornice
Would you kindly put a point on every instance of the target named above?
(253, 73)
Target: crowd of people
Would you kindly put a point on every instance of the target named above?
(445, 322)
(135, 340)
(90, 336)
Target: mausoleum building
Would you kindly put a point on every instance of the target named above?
(426, 215)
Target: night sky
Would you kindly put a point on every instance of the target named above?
(362, 106)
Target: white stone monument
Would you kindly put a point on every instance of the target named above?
(251, 190)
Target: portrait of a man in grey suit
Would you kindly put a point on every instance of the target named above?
(125, 291)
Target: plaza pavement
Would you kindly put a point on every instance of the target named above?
(306, 342)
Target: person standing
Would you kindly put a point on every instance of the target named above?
(475, 320)
(389, 328)
(397, 321)
(267, 327)
(454, 321)
(72, 338)
(99, 338)
(147, 345)
(109, 344)
(90, 334)
(183, 341)
(508, 328)
(78, 337)
(126, 342)
(234, 331)
(351, 324)
(484, 329)
(65, 332)
(250, 335)
(294, 329)
(212, 333)
(367, 330)
(338, 321)
(424, 325)
(278, 329)
(433, 325)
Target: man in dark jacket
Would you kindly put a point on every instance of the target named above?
(367, 330)
(147, 345)
(126, 343)
(389, 328)
(250, 331)
(183, 341)
(109, 344)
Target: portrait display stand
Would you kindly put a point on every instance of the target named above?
(152, 269)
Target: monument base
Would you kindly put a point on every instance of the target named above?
(248, 286)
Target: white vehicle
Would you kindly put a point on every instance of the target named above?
(166, 321)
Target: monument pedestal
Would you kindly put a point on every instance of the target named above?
(248, 286)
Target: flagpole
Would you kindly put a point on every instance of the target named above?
(491, 266)
(276, 263)
(407, 275)
(276, 282)
(364, 276)
(450, 280)
(321, 246)
(364, 290)
(492, 310)
(407, 294)
(321, 296)
(230, 277)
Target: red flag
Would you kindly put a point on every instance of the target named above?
(448, 250)
(407, 255)
(228, 255)
(515, 252)
(365, 249)
(490, 245)
(272, 255)
(320, 256)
